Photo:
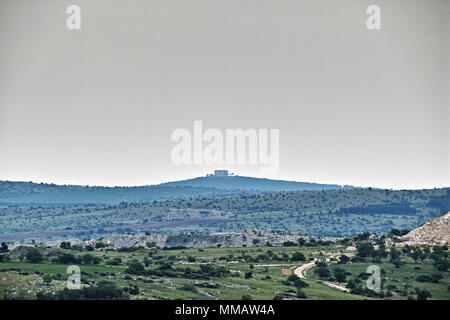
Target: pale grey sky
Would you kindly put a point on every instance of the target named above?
(97, 106)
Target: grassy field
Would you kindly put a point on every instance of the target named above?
(176, 274)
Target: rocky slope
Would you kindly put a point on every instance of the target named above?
(434, 231)
(196, 240)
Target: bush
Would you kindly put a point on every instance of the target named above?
(301, 294)
(135, 267)
(365, 249)
(298, 256)
(441, 265)
(434, 278)
(90, 259)
(102, 291)
(34, 256)
(4, 248)
(47, 278)
(67, 258)
(188, 287)
(323, 272)
(115, 262)
(423, 294)
(299, 283)
(65, 245)
(343, 259)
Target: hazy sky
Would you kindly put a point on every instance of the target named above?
(98, 105)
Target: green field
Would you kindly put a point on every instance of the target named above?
(213, 273)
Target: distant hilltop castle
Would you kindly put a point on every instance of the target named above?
(219, 173)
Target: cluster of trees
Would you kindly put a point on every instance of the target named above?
(69, 258)
(338, 274)
(312, 242)
(391, 208)
(166, 269)
(269, 256)
(439, 255)
(34, 255)
(104, 290)
(3, 250)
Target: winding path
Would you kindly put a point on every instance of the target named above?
(300, 272)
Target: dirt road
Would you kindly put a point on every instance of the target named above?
(300, 270)
(301, 273)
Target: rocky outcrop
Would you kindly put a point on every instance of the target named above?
(433, 232)
(195, 240)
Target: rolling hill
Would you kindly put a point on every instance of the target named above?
(43, 194)
(250, 183)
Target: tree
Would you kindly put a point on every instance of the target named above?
(381, 252)
(395, 254)
(4, 248)
(299, 283)
(47, 278)
(103, 290)
(423, 294)
(301, 242)
(365, 249)
(323, 272)
(248, 275)
(34, 256)
(441, 265)
(90, 259)
(298, 256)
(65, 245)
(415, 254)
(68, 258)
(438, 254)
(343, 259)
(301, 294)
(339, 274)
(397, 263)
(135, 267)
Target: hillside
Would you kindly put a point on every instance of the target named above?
(434, 231)
(43, 194)
(331, 213)
(249, 183)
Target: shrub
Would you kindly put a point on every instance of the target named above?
(67, 258)
(323, 272)
(34, 256)
(298, 256)
(47, 278)
(102, 291)
(65, 245)
(422, 294)
(135, 267)
(301, 294)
